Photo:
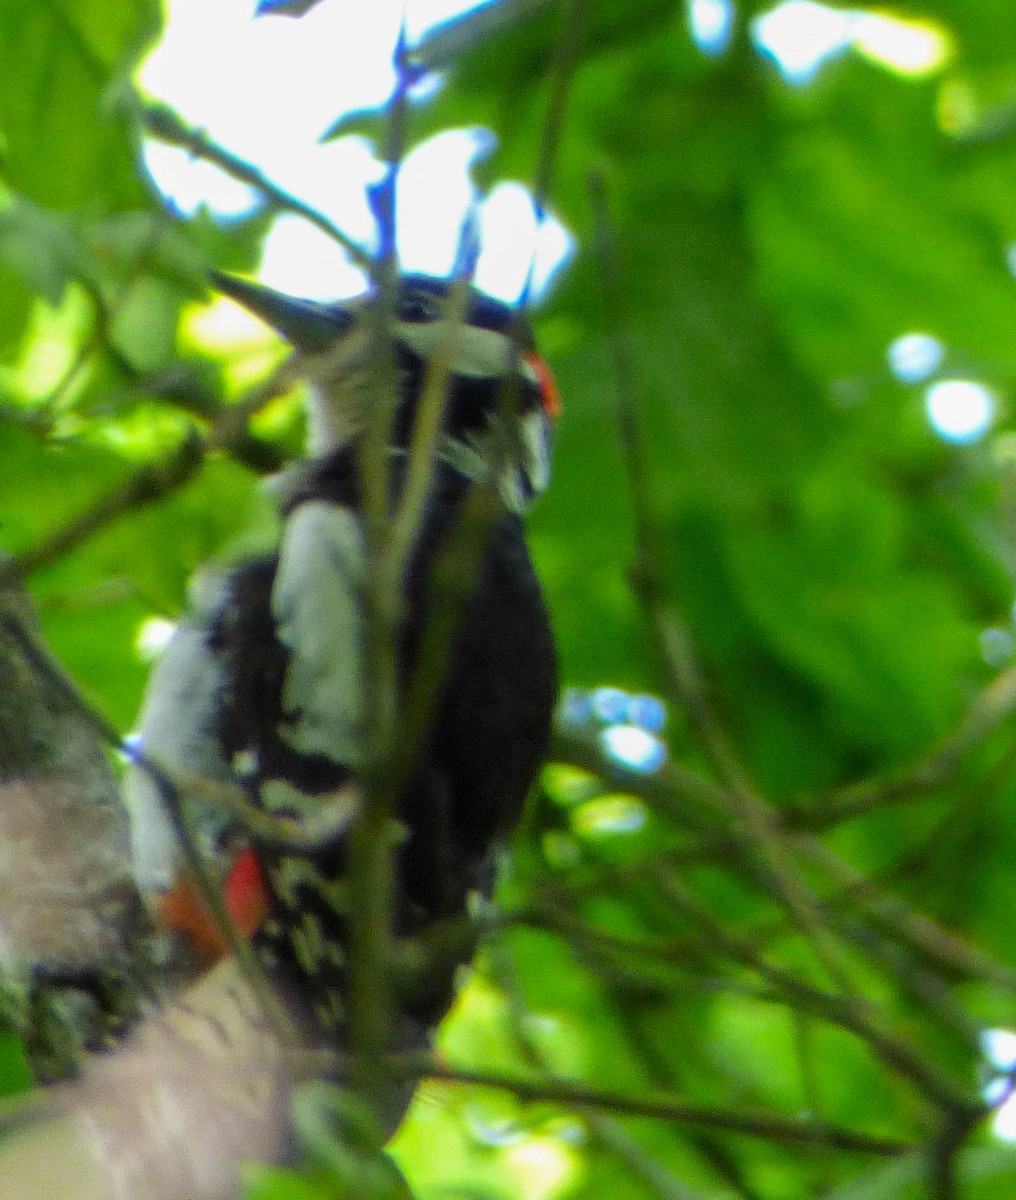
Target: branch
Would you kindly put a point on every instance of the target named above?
(149, 483)
(658, 1180)
(47, 668)
(423, 448)
(153, 481)
(755, 824)
(393, 738)
(566, 59)
(197, 1091)
(946, 949)
(955, 1129)
(605, 1128)
(303, 833)
(994, 705)
(789, 1130)
(163, 123)
(696, 803)
(858, 1017)
(373, 838)
(690, 800)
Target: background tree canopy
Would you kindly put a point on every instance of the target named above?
(769, 962)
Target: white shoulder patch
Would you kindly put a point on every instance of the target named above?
(318, 606)
(176, 728)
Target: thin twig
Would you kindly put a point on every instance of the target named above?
(956, 1128)
(698, 804)
(810, 1064)
(859, 1018)
(164, 124)
(454, 573)
(657, 1179)
(786, 990)
(755, 824)
(149, 483)
(105, 304)
(427, 428)
(914, 980)
(372, 841)
(950, 952)
(230, 427)
(465, 548)
(788, 1130)
(607, 1129)
(153, 481)
(250, 966)
(566, 60)
(306, 833)
(393, 742)
(994, 705)
(691, 800)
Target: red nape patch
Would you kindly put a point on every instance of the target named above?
(183, 910)
(548, 385)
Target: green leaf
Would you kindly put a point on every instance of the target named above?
(459, 35)
(43, 247)
(984, 1173)
(64, 146)
(143, 327)
(272, 1183)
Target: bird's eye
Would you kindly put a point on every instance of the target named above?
(420, 306)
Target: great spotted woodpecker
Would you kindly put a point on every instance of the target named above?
(263, 684)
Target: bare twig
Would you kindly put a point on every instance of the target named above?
(455, 571)
(388, 550)
(788, 1130)
(917, 981)
(690, 800)
(658, 1180)
(299, 834)
(164, 124)
(566, 60)
(606, 1129)
(810, 1062)
(955, 1129)
(149, 483)
(372, 839)
(994, 705)
(755, 824)
(697, 804)
(859, 1018)
(948, 951)
(153, 481)
(230, 427)
(427, 427)
(273, 1009)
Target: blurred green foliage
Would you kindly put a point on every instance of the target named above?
(833, 560)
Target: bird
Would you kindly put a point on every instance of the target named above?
(264, 684)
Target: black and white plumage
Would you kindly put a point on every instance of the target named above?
(263, 683)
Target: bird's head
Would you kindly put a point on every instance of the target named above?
(500, 399)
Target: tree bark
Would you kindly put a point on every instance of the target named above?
(171, 1110)
(172, 1113)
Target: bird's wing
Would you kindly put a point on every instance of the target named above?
(177, 729)
(318, 610)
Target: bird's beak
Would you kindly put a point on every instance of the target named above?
(305, 324)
